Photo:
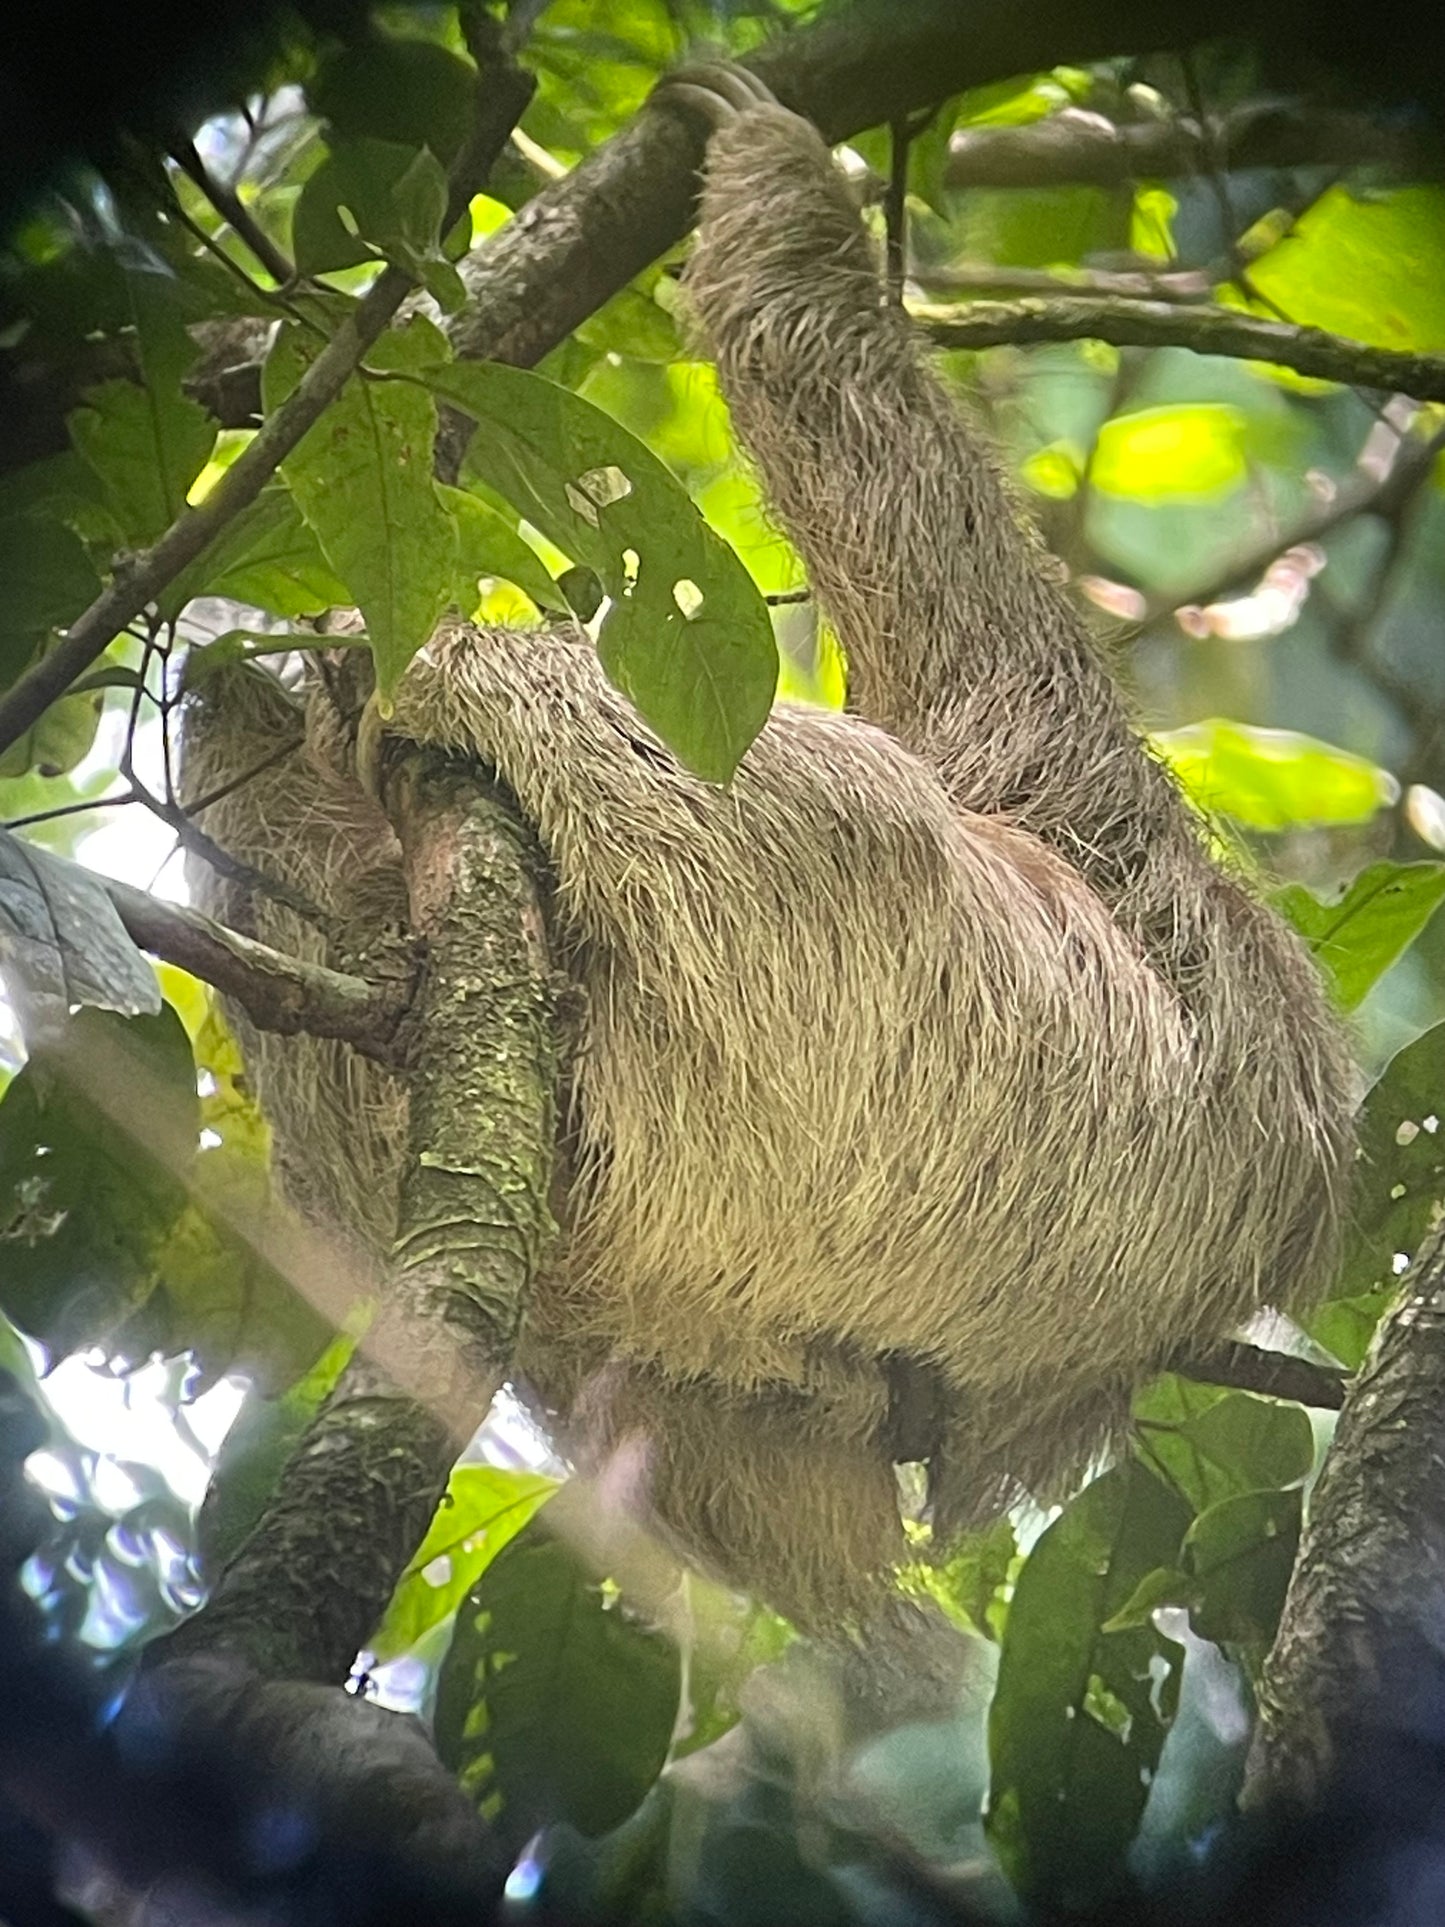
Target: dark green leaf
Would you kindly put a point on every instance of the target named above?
(46, 579)
(1240, 1554)
(1400, 1183)
(1379, 916)
(554, 1703)
(687, 637)
(63, 940)
(1212, 1445)
(1079, 1715)
(97, 1137)
(408, 91)
(369, 198)
(363, 480)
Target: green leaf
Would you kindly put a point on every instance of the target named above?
(146, 451)
(369, 198)
(1358, 936)
(62, 942)
(46, 580)
(554, 1702)
(482, 1510)
(1345, 1326)
(363, 479)
(267, 557)
(1367, 267)
(58, 740)
(1193, 451)
(969, 1583)
(1165, 1586)
(488, 545)
(1212, 1444)
(1400, 1181)
(1079, 1715)
(1241, 1554)
(1274, 779)
(97, 1137)
(686, 637)
(412, 92)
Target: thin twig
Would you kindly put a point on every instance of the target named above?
(229, 205)
(1181, 285)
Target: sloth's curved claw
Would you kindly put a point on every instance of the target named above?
(370, 729)
(717, 91)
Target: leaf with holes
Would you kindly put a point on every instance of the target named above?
(369, 198)
(1357, 938)
(483, 1509)
(1400, 1183)
(63, 939)
(1079, 1715)
(554, 1702)
(363, 479)
(686, 635)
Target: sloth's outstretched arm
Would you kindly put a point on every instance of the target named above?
(960, 638)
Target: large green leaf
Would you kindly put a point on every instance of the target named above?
(97, 1138)
(1241, 1553)
(363, 479)
(1357, 937)
(369, 198)
(147, 443)
(483, 1509)
(267, 556)
(1212, 1444)
(553, 1702)
(488, 544)
(1191, 450)
(1079, 1715)
(686, 637)
(1274, 779)
(1368, 267)
(409, 91)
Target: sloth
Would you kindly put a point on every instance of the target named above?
(945, 1033)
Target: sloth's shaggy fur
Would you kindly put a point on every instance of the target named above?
(938, 1033)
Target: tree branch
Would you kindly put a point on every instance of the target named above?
(1247, 1368)
(1364, 1621)
(1076, 146)
(1132, 284)
(277, 992)
(1206, 330)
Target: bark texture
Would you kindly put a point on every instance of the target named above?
(1363, 1630)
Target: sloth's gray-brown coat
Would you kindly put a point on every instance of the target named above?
(939, 1032)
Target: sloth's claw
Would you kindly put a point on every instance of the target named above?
(718, 91)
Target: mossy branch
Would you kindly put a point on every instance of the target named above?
(1204, 329)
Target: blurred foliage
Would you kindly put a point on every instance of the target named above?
(1284, 626)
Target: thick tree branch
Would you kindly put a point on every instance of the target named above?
(1132, 284)
(277, 992)
(1206, 330)
(1080, 147)
(1363, 1630)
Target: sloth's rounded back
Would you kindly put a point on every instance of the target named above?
(856, 1063)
